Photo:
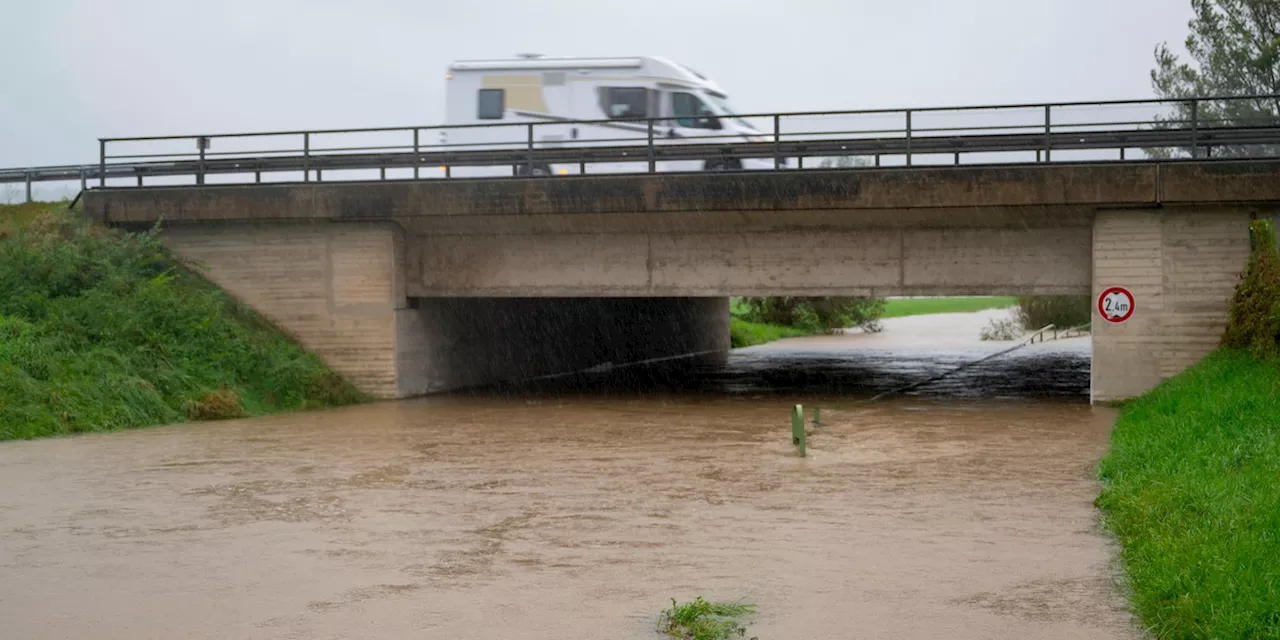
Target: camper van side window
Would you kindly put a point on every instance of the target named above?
(492, 103)
(690, 111)
(625, 102)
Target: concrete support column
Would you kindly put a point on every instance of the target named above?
(1182, 266)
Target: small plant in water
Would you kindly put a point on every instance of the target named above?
(702, 620)
(1000, 330)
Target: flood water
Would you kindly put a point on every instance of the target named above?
(962, 511)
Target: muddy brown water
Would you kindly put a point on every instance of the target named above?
(567, 513)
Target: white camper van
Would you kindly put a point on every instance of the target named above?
(555, 91)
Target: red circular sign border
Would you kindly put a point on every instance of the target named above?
(1133, 304)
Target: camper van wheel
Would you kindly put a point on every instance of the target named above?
(538, 170)
(722, 165)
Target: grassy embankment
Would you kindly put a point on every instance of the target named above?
(102, 330)
(1192, 492)
(1191, 485)
(745, 333)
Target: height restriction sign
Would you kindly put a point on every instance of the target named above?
(1115, 304)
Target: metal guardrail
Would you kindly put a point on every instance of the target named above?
(1205, 127)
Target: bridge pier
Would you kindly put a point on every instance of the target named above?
(338, 288)
(1182, 265)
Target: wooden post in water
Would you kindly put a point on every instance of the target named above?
(797, 428)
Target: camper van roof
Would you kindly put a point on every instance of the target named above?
(535, 62)
(547, 63)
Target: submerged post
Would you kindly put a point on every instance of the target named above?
(817, 417)
(797, 428)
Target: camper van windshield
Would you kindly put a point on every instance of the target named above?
(726, 109)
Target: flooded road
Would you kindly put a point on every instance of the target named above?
(573, 515)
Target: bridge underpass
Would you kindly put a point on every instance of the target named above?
(411, 287)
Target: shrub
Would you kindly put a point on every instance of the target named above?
(222, 404)
(1001, 330)
(816, 314)
(1061, 311)
(1254, 321)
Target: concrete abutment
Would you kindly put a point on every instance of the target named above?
(1182, 265)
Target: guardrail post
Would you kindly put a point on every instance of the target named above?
(1048, 128)
(653, 163)
(777, 142)
(1195, 128)
(27, 175)
(102, 163)
(529, 150)
(201, 144)
(306, 157)
(908, 137)
(84, 180)
(797, 429)
(417, 157)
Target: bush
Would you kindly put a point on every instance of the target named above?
(1254, 322)
(1063, 312)
(817, 315)
(1001, 330)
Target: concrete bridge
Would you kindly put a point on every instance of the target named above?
(416, 286)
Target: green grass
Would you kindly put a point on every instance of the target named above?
(102, 330)
(1192, 492)
(901, 307)
(745, 334)
(702, 620)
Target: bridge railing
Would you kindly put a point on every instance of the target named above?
(1122, 130)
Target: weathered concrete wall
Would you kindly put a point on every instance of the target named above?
(1182, 266)
(459, 342)
(334, 287)
(786, 261)
(337, 288)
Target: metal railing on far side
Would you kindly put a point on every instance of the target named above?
(1112, 131)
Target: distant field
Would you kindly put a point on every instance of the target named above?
(925, 306)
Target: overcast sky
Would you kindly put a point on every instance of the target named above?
(76, 70)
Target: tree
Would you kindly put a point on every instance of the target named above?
(1254, 323)
(1235, 46)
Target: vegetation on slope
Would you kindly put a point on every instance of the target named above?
(759, 320)
(744, 333)
(1192, 492)
(103, 330)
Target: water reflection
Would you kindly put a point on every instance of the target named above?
(842, 366)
